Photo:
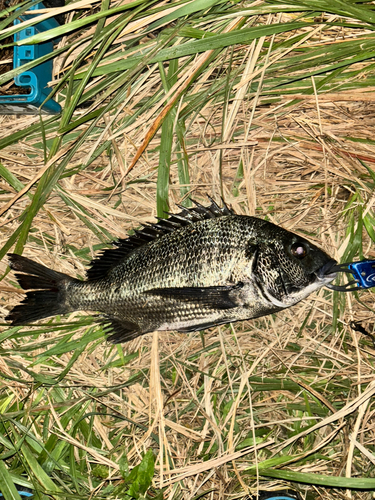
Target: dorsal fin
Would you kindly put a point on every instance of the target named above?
(100, 266)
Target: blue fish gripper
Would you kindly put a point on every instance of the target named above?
(363, 273)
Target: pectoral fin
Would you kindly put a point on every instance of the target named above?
(215, 297)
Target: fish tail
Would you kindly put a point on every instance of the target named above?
(48, 291)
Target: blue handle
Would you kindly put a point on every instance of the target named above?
(21, 493)
(363, 272)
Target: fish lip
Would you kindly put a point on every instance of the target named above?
(324, 274)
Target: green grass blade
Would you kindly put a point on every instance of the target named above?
(10, 178)
(197, 46)
(65, 28)
(14, 11)
(27, 132)
(186, 10)
(44, 480)
(166, 140)
(362, 12)
(7, 487)
(353, 483)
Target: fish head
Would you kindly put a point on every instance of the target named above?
(288, 268)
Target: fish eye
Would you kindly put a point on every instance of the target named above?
(298, 250)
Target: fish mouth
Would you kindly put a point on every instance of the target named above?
(325, 273)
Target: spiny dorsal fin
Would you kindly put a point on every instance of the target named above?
(100, 266)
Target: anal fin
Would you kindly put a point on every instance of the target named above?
(119, 330)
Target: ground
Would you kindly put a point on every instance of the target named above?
(298, 384)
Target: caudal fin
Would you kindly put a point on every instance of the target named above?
(48, 295)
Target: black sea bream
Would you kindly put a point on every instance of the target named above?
(202, 267)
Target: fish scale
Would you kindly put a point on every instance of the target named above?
(202, 267)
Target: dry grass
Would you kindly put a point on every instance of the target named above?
(200, 402)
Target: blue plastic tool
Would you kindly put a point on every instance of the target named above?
(35, 79)
(26, 494)
(363, 273)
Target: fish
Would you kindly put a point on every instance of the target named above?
(202, 267)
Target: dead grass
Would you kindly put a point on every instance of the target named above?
(302, 182)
